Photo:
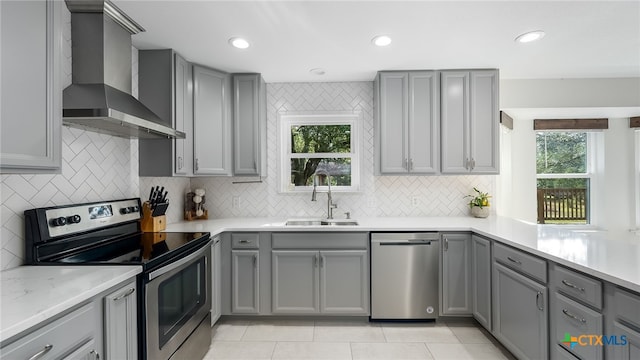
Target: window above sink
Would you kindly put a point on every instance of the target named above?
(327, 142)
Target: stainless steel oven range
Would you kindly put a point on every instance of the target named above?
(173, 290)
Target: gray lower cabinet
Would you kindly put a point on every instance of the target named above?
(216, 280)
(250, 125)
(212, 125)
(407, 123)
(520, 313)
(72, 336)
(456, 274)
(165, 85)
(481, 279)
(31, 88)
(622, 323)
(294, 282)
(326, 282)
(120, 323)
(245, 282)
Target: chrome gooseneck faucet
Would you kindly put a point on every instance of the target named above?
(330, 204)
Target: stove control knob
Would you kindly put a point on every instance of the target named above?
(73, 219)
(60, 221)
(125, 211)
(134, 209)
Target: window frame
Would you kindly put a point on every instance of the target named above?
(637, 179)
(288, 119)
(594, 137)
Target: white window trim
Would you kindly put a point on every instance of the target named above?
(287, 119)
(595, 140)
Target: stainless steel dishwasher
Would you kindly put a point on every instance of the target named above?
(404, 276)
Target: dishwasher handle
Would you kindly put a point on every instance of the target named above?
(411, 242)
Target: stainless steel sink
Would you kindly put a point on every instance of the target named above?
(320, 222)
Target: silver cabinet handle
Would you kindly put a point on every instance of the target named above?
(41, 353)
(411, 164)
(538, 301)
(315, 261)
(514, 260)
(570, 315)
(129, 292)
(472, 164)
(179, 162)
(244, 241)
(446, 244)
(404, 163)
(467, 164)
(568, 284)
(255, 260)
(197, 164)
(95, 355)
(321, 261)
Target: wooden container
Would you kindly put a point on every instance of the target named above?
(152, 223)
(190, 215)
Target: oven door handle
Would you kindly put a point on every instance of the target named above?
(165, 269)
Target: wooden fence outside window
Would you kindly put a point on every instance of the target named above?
(562, 205)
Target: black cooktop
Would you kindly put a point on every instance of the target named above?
(147, 249)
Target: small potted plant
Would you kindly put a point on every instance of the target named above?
(479, 203)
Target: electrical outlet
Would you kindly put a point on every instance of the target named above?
(415, 201)
(235, 202)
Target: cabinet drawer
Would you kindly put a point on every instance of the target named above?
(522, 262)
(62, 337)
(576, 319)
(627, 306)
(577, 286)
(245, 240)
(319, 241)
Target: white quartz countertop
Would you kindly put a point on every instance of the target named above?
(33, 294)
(611, 256)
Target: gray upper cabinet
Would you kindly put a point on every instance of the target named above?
(120, 323)
(31, 100)
(407, 129)
(250, 125)
(481, 280)
(245, 282)
(456, 274)
(212, 125)
(165, 85)
(469, 122)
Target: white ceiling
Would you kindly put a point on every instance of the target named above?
(288, 38)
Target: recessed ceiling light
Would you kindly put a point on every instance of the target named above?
(381, 40)
(530, 36)
(318, 71)
(239, 43)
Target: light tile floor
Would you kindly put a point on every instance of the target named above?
(321, 339)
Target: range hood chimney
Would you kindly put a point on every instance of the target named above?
(99, 98)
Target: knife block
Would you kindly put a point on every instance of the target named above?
(150, 223)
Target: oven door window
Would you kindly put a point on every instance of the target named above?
(179, 298)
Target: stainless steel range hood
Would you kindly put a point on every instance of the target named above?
(99, 98)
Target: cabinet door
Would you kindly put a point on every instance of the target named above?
(245, 284)
(211, 123)
(481, 280)
(392, 121)
(520, 313)
(183, 148)
(454, 117)
(120, 323)
(423, 130)
(344, 282)
(87, 351)
(31, 90)
(249, 110)
(456, 274)
(630, 350)
(216, 279)
(484, 122)
(294, 282)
